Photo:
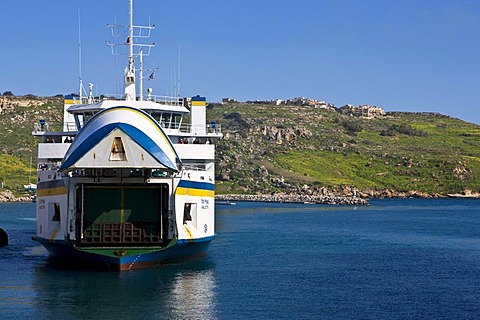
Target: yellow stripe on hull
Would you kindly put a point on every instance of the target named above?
(190, 235)
(51, 192)
(55, 232)
(194, 192)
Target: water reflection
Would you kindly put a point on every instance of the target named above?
(193, 295)
(175, 291)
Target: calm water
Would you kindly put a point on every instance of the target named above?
(395, 259)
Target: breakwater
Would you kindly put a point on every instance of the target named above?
(294, 198)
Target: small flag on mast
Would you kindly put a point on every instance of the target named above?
(151, 76)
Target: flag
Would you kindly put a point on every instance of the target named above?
(151, 76)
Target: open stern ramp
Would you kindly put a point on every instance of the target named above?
(122, 216)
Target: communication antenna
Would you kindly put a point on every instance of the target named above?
(151, 76)
(178, 77)
(80, 89)
(131, 33)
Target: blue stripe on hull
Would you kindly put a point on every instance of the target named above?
(50, 184)
(65, 253)
(196, 185)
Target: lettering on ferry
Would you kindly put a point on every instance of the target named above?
(205, 204)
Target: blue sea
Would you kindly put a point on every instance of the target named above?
(392, 259)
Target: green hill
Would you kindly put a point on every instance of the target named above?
(268, 148)
(281, 148)
(17, 145)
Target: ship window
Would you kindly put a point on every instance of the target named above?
(186, 213)
(54, 211)
(156, 116)
(79, 120)
(158, 173)
(118, 151)
(88, 115)
(190, 213)
(177, 120)
(165, 120)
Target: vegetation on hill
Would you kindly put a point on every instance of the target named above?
(17, 145)
(285, 148)
(268, 148)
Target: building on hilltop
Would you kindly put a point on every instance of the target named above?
(302, 101)
(362, 111)
(273, 102)
(229, 100)
(299, 101)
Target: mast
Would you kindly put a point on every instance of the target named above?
(130, 92)
(130, 31)
(178, 77)
(140, 75)
(134, 49)
(80, 89)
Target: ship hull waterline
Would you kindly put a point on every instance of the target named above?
(64, 253)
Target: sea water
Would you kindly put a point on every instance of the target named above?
(392, 259)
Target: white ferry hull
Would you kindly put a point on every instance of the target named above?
(119, 200)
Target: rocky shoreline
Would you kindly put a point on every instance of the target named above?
(8, 196)
(294, 198)
(388, 193)
(345, 198)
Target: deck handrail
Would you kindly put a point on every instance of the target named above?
(184, 128)
(164, 100)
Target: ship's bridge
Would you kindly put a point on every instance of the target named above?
(169, 116)
(169, 112)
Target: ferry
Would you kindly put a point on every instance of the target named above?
(126, 183)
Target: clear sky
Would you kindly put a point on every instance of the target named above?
(401, 55)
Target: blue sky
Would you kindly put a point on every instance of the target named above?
(401, 55)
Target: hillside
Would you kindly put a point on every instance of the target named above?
(285, 148)
(17, 145)
(291, 149)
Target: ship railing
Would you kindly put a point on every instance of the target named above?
(119, 172)
(48, 166)
(71, 127)
(210, 128)
(164, 100)
(176, 101)
(171, 127)
(43, 126)
(214, 128)
(194, 167)
(145, 233)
